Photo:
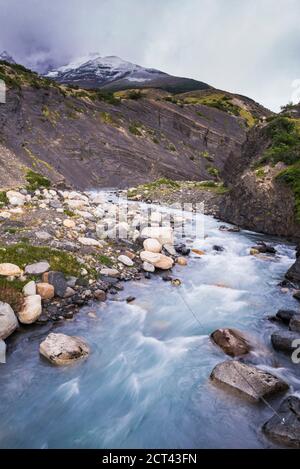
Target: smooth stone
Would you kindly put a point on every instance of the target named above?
(125, 260)
(31, 310)
(100, 295)
(109, 272)
(69, 223)
(231, 342)
(9, 270)
(57, 279)
(147, 267)
(163, 234)
(45, 290)
(285, 431)
(29, 289)
(89, 242)
(283, 340)
(43, 235)
(181, 261)
(249, 381)
(61, 349)
(152, 245)
(169, 248)
(254, 252)
(8, 320)
(37, 269)
(295, 323)
(16, 198)
(159, 261)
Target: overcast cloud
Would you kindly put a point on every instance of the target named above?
(248, 47)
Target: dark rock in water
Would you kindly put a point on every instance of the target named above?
(99, 295)
(130, 299)
(293, 273)
(297, 295)
(182, 249)
(295, 323)
(231, 229)
(218, 248)
(249, 381)
(167, 278)
(285, 315)
(231, 342)
(265, 248)
(287, 430)
(147, 275)
(57, 279)
(283, 341)
(108, 280)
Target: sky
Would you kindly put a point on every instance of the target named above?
(242, 46)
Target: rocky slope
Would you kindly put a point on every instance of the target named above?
(89, 139)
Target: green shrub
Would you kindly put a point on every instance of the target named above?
(285, 142)
(135, 128)
(3, 199)
(135, 95)
(291, 177)
(36, 180)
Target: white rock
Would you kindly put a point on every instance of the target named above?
(68, 223)
(89, 242)
(38, 268)
(8, 320)
(5, 215)
(109, 272)
(125, 260)
(170, 249)
(16, 198)
(29, 289)
(98, 212)
(155, 217)
(148, 267)
(32, 309)
(158, 260)
(9, 270)
(16, 211)
(76, 204)
(152, 245)
(61, 349)
(84, 214)
(43, 235)
(163, 234)
(2, 351)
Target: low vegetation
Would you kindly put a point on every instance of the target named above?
(36, 181)
(3, 199)
(291, 177)
(284, 136)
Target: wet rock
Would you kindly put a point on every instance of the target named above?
(9, 270)
(297, 295)
(57, 279)
(181, 261)
(169, 248)
(159, 261)
(31, 310)
(254, 252)
(249, 381)
(61, 349)
(147, 275)
(231, 342)
(45, 290)
(8, 320)
(199, 252)
(37, 268)
(295, 323)
(99, 295)
(125, 260)
(130, 299)
(182, 249)
(293, 273)
(287, 430)
(152, 245)
(218, 248)
(2, 351)
(285, 315)
(283, 341)
(147, 267)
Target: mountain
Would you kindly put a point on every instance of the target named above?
(113, 73)
(6, 57)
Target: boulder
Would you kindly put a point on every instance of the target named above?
(283, 341)
(163, 234)
(10, 270)
(287, 430)
(182, 249)
(38, 268)
(8, 320)
(181, 261)
(16, 198)
(285, 315)
(45, 290)
(293, 273)
(31, 310)
(248, 381)
(125, 260)
(100, 295)
(158, 260)
(61, 349)
(29, 289)
(147, 267)
(231, 342)
(295, 323)
(57, 279)
(152, 245)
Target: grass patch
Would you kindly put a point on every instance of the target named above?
(36, 181)
(108, 119)
(161, 182)
(105, 260)
(11, 293)
(69, 213)
(3, 199)
(135, 128)
(23, 254)
(212, 171)
(260, 173)
(291, 177)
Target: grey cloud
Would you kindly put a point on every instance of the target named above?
(247, 47)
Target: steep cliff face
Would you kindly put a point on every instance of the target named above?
(89, 139)
(260, 198)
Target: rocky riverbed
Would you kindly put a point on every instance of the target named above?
(65, 252)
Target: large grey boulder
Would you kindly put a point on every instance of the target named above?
(231, 341)
(249, 381)
(61, 349)
(8, 320)
(287, 430)
(283, 340)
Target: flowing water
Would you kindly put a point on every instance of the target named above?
(146, 383)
